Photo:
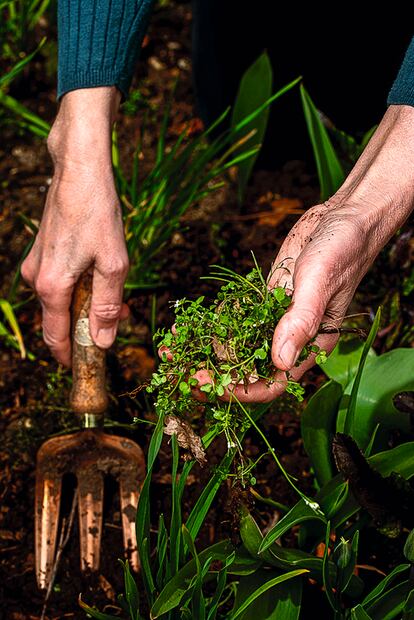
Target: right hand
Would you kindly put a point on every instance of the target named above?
(81, 226)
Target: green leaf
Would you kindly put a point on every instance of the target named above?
(254, 91)
(330, 172)
(287, 558)
(328, 582)
(176, 542)
(221, 584)
(359, 613)
(318, 427)
(383, 377)
(14, 325)
(18, 67)
(409, 547)
(131, 591)
(203, 503)
(350, 421)
(408, 611)
(345, 557)
(260, 354)
(342, 363)
(298, 514)
(143, 511)
(383, 585)
(390, 604)
(171, 595)
(283, 601)
(267, 585)
(95, 613)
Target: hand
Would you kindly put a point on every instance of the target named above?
(332, 246)
(81, 225)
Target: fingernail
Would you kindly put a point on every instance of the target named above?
(288, 354)
(105, 337)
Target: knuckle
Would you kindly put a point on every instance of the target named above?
(107, 311)
(27, 272)
(118, 267)
(49, 285)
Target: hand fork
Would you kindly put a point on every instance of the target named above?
(89, 454)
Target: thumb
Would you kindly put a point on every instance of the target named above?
(301, 322)
(106, 305)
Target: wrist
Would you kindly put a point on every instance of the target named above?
(81, 132)
(380, 188)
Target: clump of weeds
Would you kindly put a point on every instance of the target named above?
(230, 339)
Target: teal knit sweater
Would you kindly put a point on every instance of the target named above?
(99, 42)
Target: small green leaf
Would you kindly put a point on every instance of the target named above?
(260, 354)
(409, 547)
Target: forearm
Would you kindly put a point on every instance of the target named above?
(381, 184)
(99, 41)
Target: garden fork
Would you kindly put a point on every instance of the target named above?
(89, 454)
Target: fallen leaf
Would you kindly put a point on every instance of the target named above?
(280, 209)
(186, 437)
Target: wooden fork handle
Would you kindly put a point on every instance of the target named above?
(88, 361)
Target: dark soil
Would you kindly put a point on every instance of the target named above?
(34, 394)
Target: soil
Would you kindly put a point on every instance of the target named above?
(34, 395)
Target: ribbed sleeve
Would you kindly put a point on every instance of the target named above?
(99, 42)
(402, 91)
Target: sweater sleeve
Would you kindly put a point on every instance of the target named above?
(402, 91)
(99, 42)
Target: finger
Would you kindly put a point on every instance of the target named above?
(302, 320)
(164, 349)
(55, 298)
(106, 303)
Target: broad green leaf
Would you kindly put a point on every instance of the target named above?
(318, 427)
(342, 363)
(330, 172)
(283, 601)
(267, 585)
(383, 377)
(350, 421)
(287, 558)
(171, 595)
(254, 90)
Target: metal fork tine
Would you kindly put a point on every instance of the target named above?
(91, 492)
(129, 503)
(47, 508)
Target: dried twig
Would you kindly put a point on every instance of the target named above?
(65, 531)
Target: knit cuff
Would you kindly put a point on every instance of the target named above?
(92, 79)
(402, 91)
